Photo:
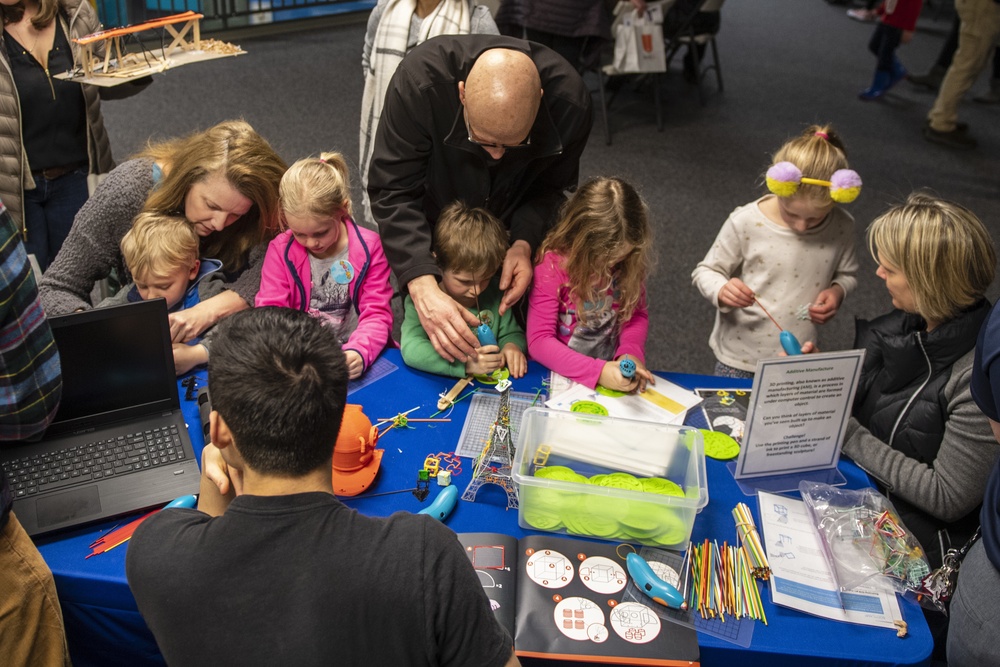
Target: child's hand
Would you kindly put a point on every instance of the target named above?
(355, 364)
(906, 37)
(187, 357)
(808, 347)
(514, 360)
(736, 294)
(826, 304)
(642, 374)
(486, 360)
(612, 378)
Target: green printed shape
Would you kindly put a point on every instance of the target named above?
(720, 446)
(589, 408)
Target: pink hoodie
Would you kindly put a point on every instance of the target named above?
(286, 280)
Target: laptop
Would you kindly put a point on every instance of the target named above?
(118, 443)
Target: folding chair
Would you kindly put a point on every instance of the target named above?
(688, 36)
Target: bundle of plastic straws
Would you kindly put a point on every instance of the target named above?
(746, 530)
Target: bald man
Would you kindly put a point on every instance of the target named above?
(496, 122)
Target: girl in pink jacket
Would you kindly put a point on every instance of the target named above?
(587, 309)
(325, 264)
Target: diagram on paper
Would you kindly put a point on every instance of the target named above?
(549, 568)
(602, 575)
(580, 619)
(635, 622)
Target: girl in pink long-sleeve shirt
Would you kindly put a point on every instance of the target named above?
(327, 265)
(587, 308)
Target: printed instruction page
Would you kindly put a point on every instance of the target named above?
(801, 576)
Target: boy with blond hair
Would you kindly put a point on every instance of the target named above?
(161, 253)
(469, 246)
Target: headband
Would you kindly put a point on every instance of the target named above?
(784, 178)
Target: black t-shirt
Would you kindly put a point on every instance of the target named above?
(304, 580)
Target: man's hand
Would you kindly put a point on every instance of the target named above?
(516, 275)
(446, 323)
(736, 294)
(355, 364)
(220, 483)
(826, 304)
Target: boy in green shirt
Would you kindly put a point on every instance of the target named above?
(469, 246)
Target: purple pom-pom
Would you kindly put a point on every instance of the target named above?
(844, 179)
(785, 172)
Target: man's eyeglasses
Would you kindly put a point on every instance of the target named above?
(483, 144)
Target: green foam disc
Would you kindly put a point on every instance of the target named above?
(621, 480)
(542, 520)
(560, 473)
(664, 487)
(720, 446)
(589, 408)
(612, 393)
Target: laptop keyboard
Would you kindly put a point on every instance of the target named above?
(93, 461)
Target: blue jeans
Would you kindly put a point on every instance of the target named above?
(49, 210)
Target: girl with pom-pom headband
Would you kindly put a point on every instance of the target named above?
(791, 248)
(784, 178)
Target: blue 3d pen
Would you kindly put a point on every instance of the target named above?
(788, 340)
(627, 367)
(485, 335)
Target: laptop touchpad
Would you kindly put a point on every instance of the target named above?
(72, 505)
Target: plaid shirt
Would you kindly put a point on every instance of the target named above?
(30, 381)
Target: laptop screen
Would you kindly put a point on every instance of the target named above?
(117, 363)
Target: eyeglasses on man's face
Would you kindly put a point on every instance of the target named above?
(492, 146)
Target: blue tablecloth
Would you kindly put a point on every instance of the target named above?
(105, 628)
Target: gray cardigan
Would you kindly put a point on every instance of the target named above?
(92, 249)
(955, 485)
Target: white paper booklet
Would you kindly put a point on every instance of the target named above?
(802, 578)
(663, 403)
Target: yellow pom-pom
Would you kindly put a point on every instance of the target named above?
(845, 195)
(782, 188)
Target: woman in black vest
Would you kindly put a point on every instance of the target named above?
(916, 429)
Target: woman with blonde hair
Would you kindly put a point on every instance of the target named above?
(224, 180)
(916, 428)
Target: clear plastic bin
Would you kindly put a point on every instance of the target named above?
(609, 478)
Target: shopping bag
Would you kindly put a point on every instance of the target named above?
(639, 44)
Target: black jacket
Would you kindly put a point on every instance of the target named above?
(423, 160)
(900, 398)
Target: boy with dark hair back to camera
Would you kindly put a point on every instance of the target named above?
(271, 568)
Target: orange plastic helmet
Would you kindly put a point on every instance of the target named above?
(355, 459)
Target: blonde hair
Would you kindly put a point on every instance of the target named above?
(943, 250)
(603, 218)
(317, 187)
(469, 239)
(817, 152)
(235, 151)
(158, 244)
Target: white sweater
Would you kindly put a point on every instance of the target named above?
(786, 269)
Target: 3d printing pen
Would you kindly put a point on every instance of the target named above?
(485, 335)
(443, 504)
(483, 331)
(650, 584)
(788, 340)
(627, 367)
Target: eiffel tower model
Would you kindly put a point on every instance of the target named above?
(494, 464)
